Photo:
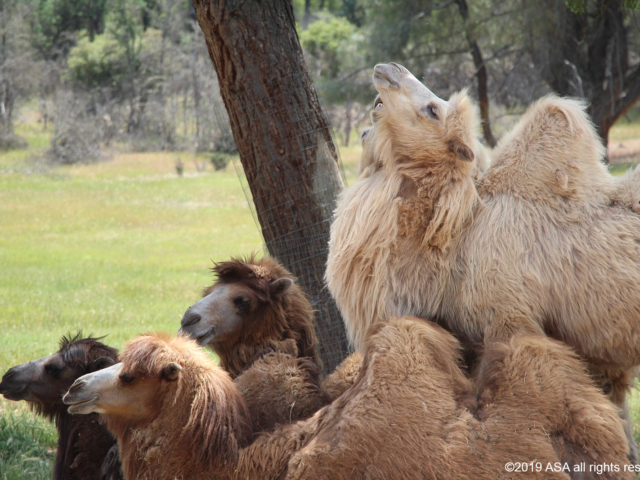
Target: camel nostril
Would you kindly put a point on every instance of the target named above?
(190, 318)
(10, 373)
(77, 386)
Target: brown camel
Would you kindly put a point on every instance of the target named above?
(280, 389)
(83, 442)
(255, 306)
(541, 244)
(411, 413)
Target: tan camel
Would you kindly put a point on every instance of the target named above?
(412, 413)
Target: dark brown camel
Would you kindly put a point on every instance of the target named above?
(84, 444)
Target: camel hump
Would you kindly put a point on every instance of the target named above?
(553, 152)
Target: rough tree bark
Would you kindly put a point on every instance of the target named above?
(284, 141)
(586, 55)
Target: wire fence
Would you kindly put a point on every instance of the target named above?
(295, 175)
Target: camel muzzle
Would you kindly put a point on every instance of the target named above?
(190, 318)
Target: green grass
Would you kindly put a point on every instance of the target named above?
(27, 444)
(625, 130)
(114, 249)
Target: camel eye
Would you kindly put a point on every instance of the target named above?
(378, 104)
(53, 369)
(126, 378)
(241, 302)
(431, 111)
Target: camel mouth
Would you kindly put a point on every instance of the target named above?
(383, 77)
(207, 336)
(15, 395)
(80, 406)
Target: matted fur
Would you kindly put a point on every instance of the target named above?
(283, 324)
(201, 408)
(345, 374)
(412, 413)
(83, 441)
(627, 192)
(536, 247)
(279, 389)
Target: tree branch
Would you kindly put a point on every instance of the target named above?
(630, 96)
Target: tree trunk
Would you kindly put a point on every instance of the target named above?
(481, 75)
(284, 141)
(348, 122)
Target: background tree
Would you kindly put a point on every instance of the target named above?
(284, 141)
(336, 54)
(590, 51)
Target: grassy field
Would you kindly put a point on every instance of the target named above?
(115, 248)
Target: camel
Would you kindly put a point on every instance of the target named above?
(280, 389)
(539, 244)
(254, 307)
(83, 450)
(345, 375)
(411, 413)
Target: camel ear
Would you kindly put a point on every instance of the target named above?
(279, 286)
(100, 363)
(171, 371)
(461, 151)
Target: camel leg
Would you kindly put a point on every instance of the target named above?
(628, 430)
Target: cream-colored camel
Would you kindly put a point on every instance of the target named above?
(545, 242)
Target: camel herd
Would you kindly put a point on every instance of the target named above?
(493, 299)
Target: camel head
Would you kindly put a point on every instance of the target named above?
(42, 382)
(244, 293)
(411, 122)
(129, 390)
(169, 384)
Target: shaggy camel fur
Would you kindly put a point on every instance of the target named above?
(164, 402)
(281, 389)
(343, 376)
(255, 306)
(412, 413)
(537, 247)
(628, 190)
(83, 442)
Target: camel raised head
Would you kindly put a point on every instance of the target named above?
(518, 250)
(406, 110)
(255, 306)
